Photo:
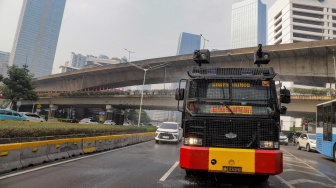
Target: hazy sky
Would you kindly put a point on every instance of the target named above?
(150, 28)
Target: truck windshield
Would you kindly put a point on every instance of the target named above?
(239, 97)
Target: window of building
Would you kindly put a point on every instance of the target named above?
(278, 35)
(334, 24)
(278, 22)
(278, 42)
(300, 35)
(295, 41)
(277, 29)
(295, 27)
(307, 21)
(334, 17)
(278, 15)
(334, 32)
(307, 7)
(333, 10)
(298, 13)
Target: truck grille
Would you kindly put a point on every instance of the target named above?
(233, 133)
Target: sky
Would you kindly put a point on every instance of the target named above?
(149, 28)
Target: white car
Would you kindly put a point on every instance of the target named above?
(307, 141)
(283, 139)
(109, 122)
(169, 132)
(32, 117)
(87, 121)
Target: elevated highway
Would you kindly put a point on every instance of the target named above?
(298, 62)
(300, 106)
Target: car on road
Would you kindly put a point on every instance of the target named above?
(88, 121)
(169, 132)
(109, 122)
(307, 141)
(32, 117)
(6, 114)
(283, 139)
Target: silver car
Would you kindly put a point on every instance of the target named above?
(283, 139)
(32, 117)
(169, 132)
(88, 121)
(307, 141)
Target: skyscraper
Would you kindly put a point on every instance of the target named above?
(248, 24)
(188, 43)
(301, 20)
(37, 35)
(4, 58)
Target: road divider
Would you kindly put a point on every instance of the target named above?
(10, 157)
(21, 155)
(34, 153)
(57, 149)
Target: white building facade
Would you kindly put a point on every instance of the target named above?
(249, 19)
(291, 21)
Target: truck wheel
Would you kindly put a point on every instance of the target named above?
(298, 146)
(262, 178)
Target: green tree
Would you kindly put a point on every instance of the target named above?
(133, 115)
(19, 85)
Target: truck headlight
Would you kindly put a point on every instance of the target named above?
(269, 144)
(193, 141)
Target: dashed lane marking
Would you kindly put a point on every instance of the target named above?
(297, 181)
(304, 172)
(284, 181)
(298, 166)
(165, 176)
(323, 175)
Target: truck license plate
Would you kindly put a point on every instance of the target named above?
(232, 169)
(166, 137)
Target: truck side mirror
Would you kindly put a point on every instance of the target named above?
(285, 96)
(283, 110)
(179, 94)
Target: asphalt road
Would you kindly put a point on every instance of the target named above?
(156, 165)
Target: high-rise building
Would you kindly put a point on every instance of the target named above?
(4, 58)
(77, 60)
(188, 43)
(292, 21)
(37, 35)
(248, 24)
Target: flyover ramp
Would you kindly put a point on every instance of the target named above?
(296, 62)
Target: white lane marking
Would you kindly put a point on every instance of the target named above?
(165, 176)
(288, 164)
(284, 181)
(309, 181)
(67, 161)
(304, 172)
(323, 175)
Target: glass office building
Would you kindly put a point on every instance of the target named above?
(37, 35)
(248, 24)
(188, 43)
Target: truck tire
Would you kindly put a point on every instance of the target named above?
(262, 178)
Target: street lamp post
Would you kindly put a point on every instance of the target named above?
(144, 80)
(129, 55)
(204, 40)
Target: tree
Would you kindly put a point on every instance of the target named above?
(19, 85)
